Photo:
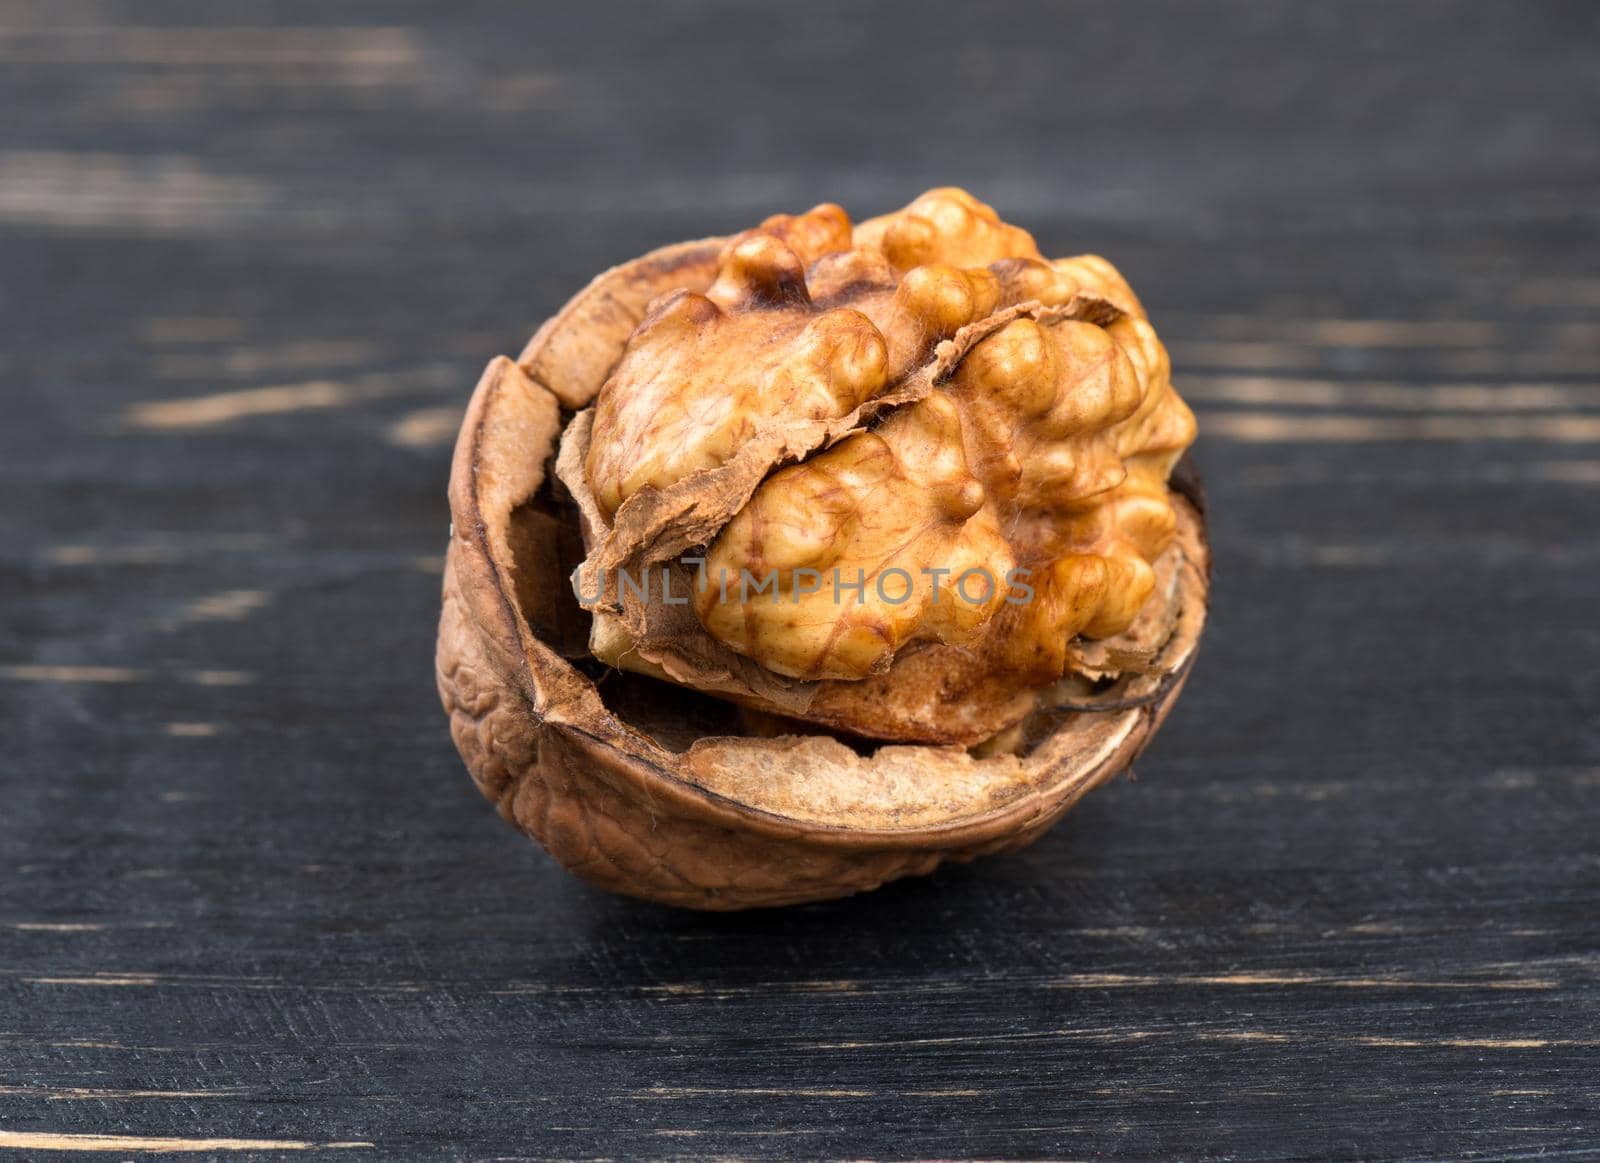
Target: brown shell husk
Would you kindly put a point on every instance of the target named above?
(646, 788)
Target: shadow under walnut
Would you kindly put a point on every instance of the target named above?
(652, 790)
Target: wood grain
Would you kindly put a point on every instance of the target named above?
(251, 262)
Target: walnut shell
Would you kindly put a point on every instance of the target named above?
(655, 791)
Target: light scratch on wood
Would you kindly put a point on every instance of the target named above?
(1247, 1036)
(1112, 1036)
(92, 555)
(221, 677)
(1390, 396)
(191, 730)
(1278, 428)
(165, 551)
(1577, 472)
(25, 673)
(1558, 292)
(1537, 361)
(1212, 353)
(76, 189)
(227, 606)
(219, 408)
(69, 1093)
(757, 1091)
(1475, 1043)
(274, 359)
(1130, 980)
(395, 49)
(685, 1132)
(426, 428)
(67, 1141)
(1255, 355)
(1350, 332)
(206, 411)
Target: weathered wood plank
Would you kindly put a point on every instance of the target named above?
(249, 902)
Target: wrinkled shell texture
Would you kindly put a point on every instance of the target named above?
(919, 407)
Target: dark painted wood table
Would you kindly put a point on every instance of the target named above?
(252, 258)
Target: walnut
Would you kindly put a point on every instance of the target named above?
(822, 484)
(956, 427)
(889, 499)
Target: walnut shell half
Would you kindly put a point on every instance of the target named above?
(656, 791)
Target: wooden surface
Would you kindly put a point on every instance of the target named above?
(252, 258)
